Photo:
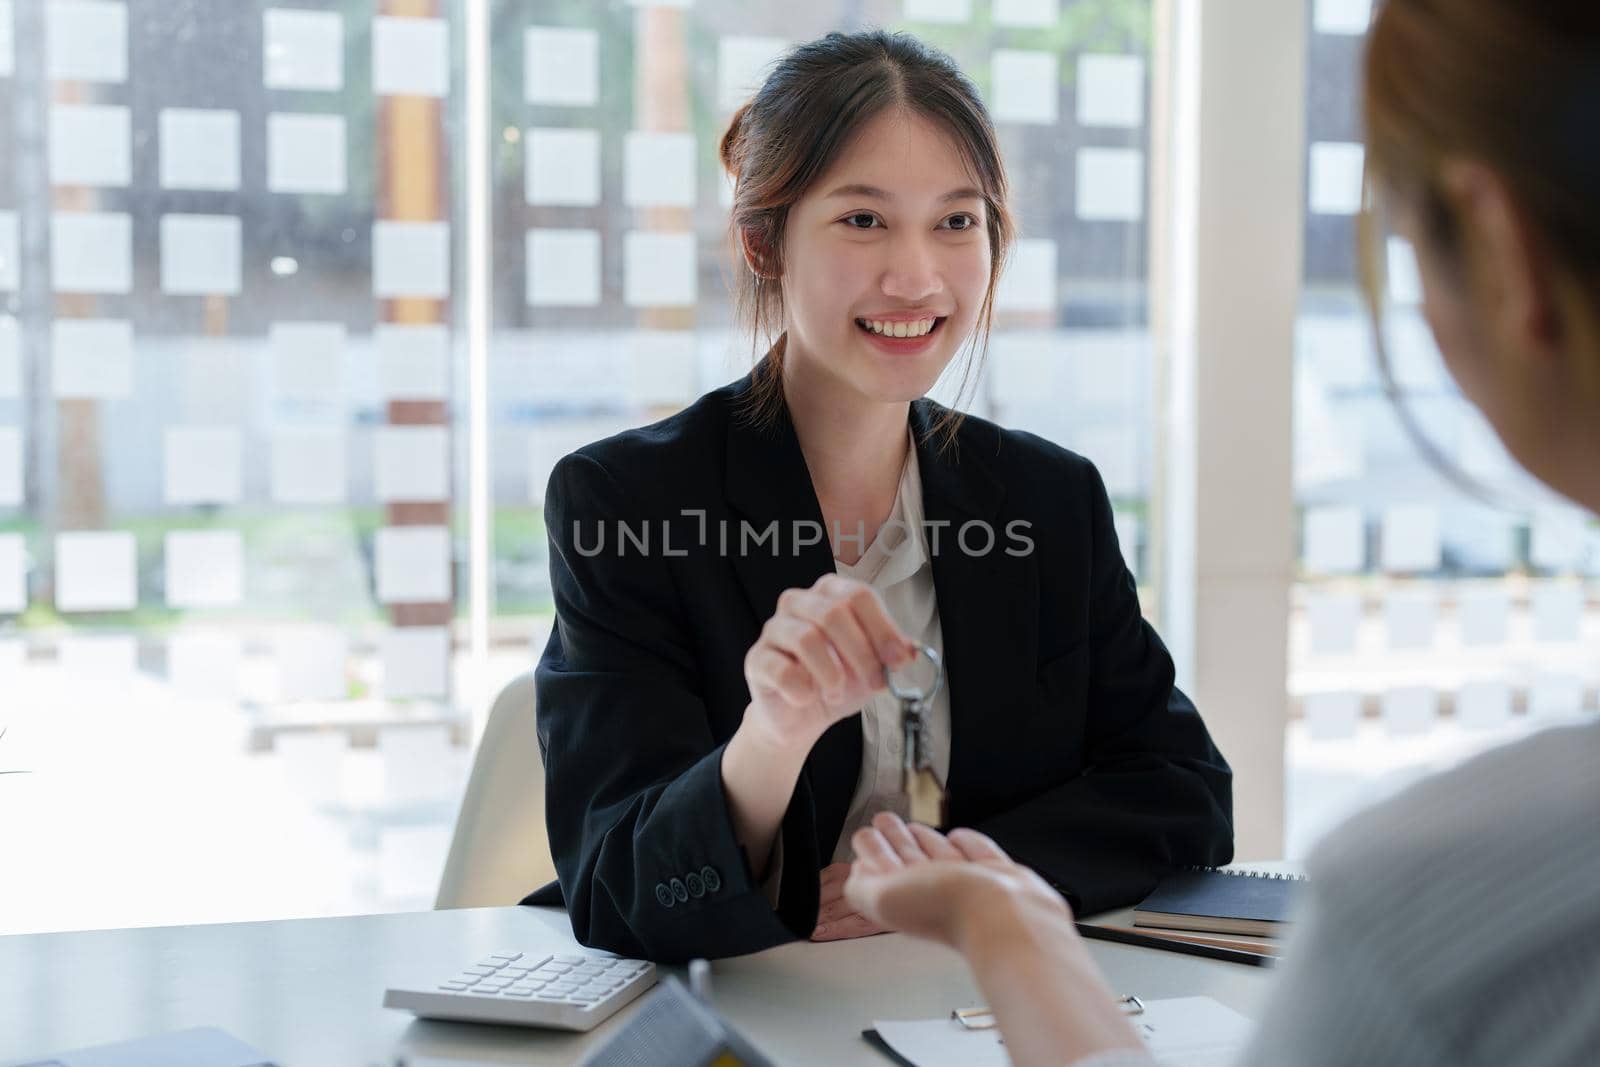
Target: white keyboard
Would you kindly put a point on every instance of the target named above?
(533, 989)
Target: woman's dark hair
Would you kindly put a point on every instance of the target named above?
(818, 96)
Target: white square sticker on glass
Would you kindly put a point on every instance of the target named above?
(10, 357)
(1110, 184)
(1027, 86)
(7, 48)
(90, 252)
(1106, 370)
(1410, 710)
(551, 439)
(10, 274)
(1127, 527)
(938, 10)
(1557, 541)
(1554, 695)
(308, 465)
(1335, 540)
(413, 564)
(662, 367)
(682, 4)
(1336, 177)
(200, 255)
(1331, 716)
(413, 361)
(1023, 366)
(306, 154)
(411, 259)
(204, 568)
(311, 665)
(91, 358)
(416, 661)
(1405, 280)
(1344, 17)
(1334, 620)
(410, 860)
(96, 571)
(410, 57)
(1483, 705)
(1111, 91)
(202, 465)
(1337, 348)
(563, 268)
(658, 269)
(561, 67)
(303, 49)
(743, 64)
(11, 467)
(1484, 615)
(13, 574)
(562, 167)
(1557, 611)
(86, 40)
(1410, 616)
(204, 666)
(312, 763)
(1029, 282)
(1027, 13)
(658, 169)
(199, 149)
(307, 359)
(412, 463)
(102, 657)
(1410, 539)
(90, 145)
(1114, 450)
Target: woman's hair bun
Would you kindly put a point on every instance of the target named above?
(733, 141)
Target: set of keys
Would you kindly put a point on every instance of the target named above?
(924, 792)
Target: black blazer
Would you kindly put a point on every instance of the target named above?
(1070, 745)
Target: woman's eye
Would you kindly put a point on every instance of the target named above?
(861, 220)
(961, 222)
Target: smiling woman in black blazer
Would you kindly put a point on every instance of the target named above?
(710, 705)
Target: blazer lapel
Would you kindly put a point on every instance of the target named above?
(768, 485)
(988, 601)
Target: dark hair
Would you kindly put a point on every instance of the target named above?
(818, 96)
(1512, 84)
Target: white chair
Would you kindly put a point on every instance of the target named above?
(500, 851)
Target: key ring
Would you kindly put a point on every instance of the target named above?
(917, 695)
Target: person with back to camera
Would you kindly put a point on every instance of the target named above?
(1459, 923)
(732, 582)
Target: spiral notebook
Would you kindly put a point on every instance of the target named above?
(1253, 903)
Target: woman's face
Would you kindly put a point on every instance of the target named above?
(886, 262)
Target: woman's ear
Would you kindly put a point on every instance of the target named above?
(756, 255)
(1505, 261)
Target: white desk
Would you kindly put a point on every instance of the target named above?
(309, 991)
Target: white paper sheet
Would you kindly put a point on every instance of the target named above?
(561, 67)
(743, 64)
(1027, 86)
(306, 153)
(1029, 282)
(13, 574)
(658, 169)
(938, 10)
(562, 166)
(200, 254)
(91, 358)
(411, 259)
(308, 466)
(659, 269)
(413, 564)
(1336, 177)
(202, 465)
(1111, 91)
(1410, 710)
(303, 49)
(410, 57)
(1331, 716)
(96, 571)
(86, 40)
(413, 361)
(90, 252)
(199, 149)
(205, 666)
(1180, 1032)
(563, 268)
(1026, 13)
(1110, 184)
(90, 144)
(416, 662)
(412, 463)
(1344, 17)
(204, 568)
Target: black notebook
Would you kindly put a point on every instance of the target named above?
(1251, 903)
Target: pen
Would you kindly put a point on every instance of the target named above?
(1210, 952)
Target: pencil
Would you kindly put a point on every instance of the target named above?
(1188, 948)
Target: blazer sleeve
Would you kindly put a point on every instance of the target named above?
(639, 824)
(1155, 793)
